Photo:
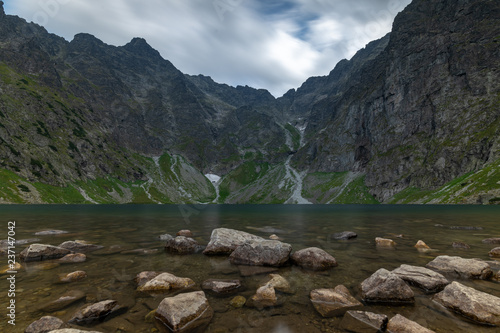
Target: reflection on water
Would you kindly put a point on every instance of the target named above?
(121, 228)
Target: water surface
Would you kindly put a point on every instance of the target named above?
(138, 226)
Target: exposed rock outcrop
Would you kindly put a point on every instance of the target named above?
(386, 287)
(261, 253)
(460, 267)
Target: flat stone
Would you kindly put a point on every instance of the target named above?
(246, 271)
(461, 268)
(333, 302)
(363, 322)
(345, 235)
(146, 276)
(5, 269)
(165, 237)
(44, 325)
(238, 302)
(313, 258)
(141, 252)
(386, 287)
(182, 245)
(385, 242)
(38, 252)
(265, 297)
(185, 233)
(222, 287)
(113, 249)
(471, 303)
(225, 241)
(400, 324)
(50, 232)
(80, 246)
(64, 301)
(165, 282)
(279, 283)
(72, 277)
(491, 241)
(422, 278)
(495, 253)
(96, 312)
(261, 253)
(184, 313)
(72, 258)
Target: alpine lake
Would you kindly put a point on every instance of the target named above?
(110, 274)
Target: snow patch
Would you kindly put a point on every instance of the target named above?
(213, 178)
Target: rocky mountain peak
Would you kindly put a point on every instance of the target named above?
(2, 11)
(140, 46)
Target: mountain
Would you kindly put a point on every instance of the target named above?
(411, 118)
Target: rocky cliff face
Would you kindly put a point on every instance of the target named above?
(83, 121)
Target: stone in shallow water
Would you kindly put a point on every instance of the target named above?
(386, 287)
(45, 324)
(141, 252)
(400, 324)
(495, 253)
(333, 302)
(345, 235)
(225, 241)
(146, 276)
(279, 283)
(72, 330)
(462, 268)
(421, 245)
(385, 242)
(471, 303)
(255, 270)
(314, 258)
(265, 297)
(261, 253)
(491, 241)
(50, 232)
(64, 301)
(238, 302)
(38, 252)
(80, 246)
(222, 287)
(96, 313)
(72, 258)
(165, 282)
(185, 233)
(363, 322)
(184, 313)
(460, 245)
(422, 278)
(182, 245)
(72, 277)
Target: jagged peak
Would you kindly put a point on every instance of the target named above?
(2, 11)
(85, 37)
(140, 46)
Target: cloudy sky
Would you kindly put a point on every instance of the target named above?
(268, 44)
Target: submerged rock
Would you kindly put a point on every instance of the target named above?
(141, 252)
(96, 313)
(64, 301)
(386, 287)
(72, 258)
(422, 246)
(422, 278)
(400, 324)
(345, 235)
(471, 303)
(72, 277)
(279, 283)
(333, 302)
(146, 276)
(182, 245)
(38, 252)
(462, 268)
(313, 258)
(225, 241)
(80, 246)
(460, 245)
(72, 330)
(385, 242)
(164, 282)
(185, 233)
(50, 232)
(261, 253)
(222, 287)
(363, 322)
(165, 237)
(238, 302)
(44, 325)
(491, 241)
(255, 270)
(184, 313)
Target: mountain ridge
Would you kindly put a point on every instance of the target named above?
(81, 114)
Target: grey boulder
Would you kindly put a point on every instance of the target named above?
(225, 241)
(386, 287)
(313, 258)
(461, 268)
(261, 253)
(422, 278)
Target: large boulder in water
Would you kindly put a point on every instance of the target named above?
(313, 258)
(38, 252)
(182, 245)
(165, 282)
(461, 268)
(225, 241)
(184, 313)
(80, 246)
(363, 322)
(386, 287)
(333, 302)
(44, 325)
(471, 303)
(400, 324)
(222, 286)
(97, 312)
(422, 278)
(261, 253)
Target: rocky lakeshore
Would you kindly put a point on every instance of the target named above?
(255, 283)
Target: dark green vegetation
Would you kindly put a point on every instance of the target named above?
(412, 118)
